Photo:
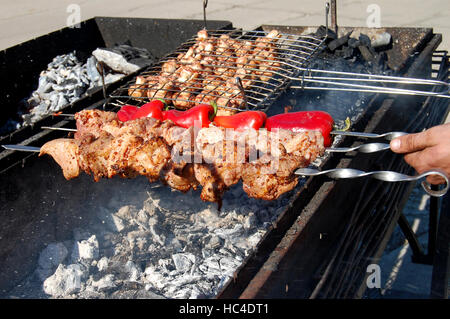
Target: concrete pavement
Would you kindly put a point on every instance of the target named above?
(22, 20)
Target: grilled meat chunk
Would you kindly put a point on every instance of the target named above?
(204, 72)
(65, 152)
(213, 157)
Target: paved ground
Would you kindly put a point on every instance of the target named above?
(22, 20)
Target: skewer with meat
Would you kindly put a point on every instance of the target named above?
(211, 157)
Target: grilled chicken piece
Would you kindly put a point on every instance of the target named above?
(272, 174)
(212, 157)
(202, 35)
(180, 178)
(139, 88)
(212, 186)
(65, 152)
(126, 155)
(222, 168)
(92, 122)
(186, 79)
(169, 67)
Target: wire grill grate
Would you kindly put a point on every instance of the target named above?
(235, 69)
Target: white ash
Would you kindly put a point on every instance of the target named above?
(115, 61)
(65, 281)
(86, 250)
(67, 79)
(169, 245)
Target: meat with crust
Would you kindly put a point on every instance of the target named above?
(213, 157)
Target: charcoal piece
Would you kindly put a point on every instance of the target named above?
(92, 71)
(365, 40)
(335, 44)
(353, 43)
(347, 52)
(322, 32)
(380, 62)
(366, 53)
(131, 53)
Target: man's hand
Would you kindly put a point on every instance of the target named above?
(426, 150)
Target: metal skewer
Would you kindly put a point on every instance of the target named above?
(337, 173)
(58, 128)
(388, 136)
(364, 148)
(387, 176)
(22, 148)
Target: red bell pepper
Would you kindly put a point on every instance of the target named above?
(303, 121)
(242, 121)
(201, 114)
(126, 112)
(152, 109)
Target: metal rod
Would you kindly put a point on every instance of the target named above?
(414, 243)
(241, 88)
(387, 176)
(22, 148)
(101, 69)
(389, 136)
(205, 4)
(58, 128)
(363, 148)
(334, 26)
(433, 225)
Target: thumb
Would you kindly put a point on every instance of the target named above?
(410, 143)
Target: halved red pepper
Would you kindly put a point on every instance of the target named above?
(303, 121)
(152, 109)
(200, 115)
(127, 112)
(242, 121)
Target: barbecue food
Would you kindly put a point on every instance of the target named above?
(214, 158)
(206, 72)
